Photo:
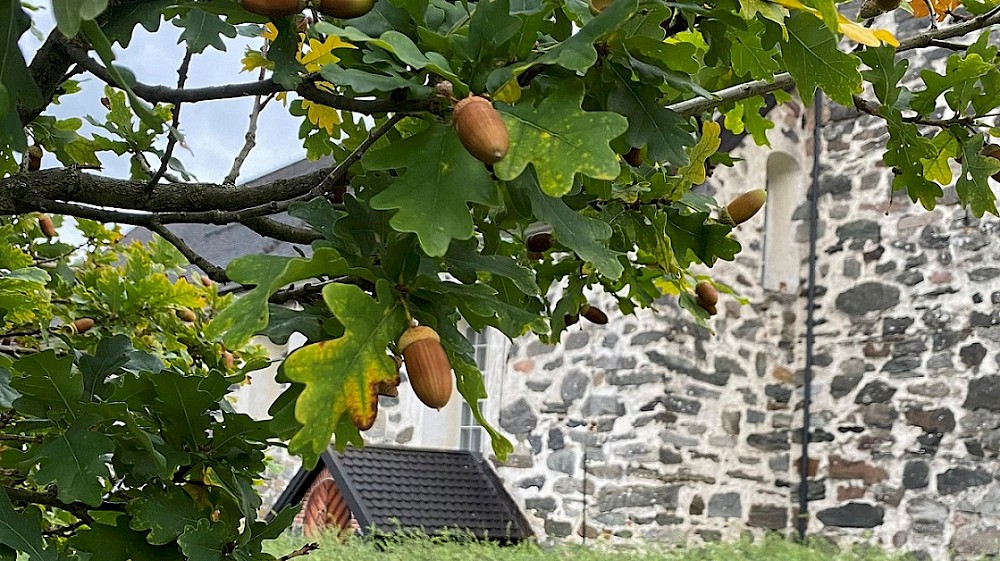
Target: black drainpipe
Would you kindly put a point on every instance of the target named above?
(803, 520)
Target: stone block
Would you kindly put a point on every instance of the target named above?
(725, 505)
(853, 515)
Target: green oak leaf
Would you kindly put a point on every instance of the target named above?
(248, 314)
(937, 168)
(112, 354)
(585, 235)
(749, 55)
(7, 393)
(120, 543)
(433, 192)
(481, 306)
(770, 10)
(165, 513)
(341, 375)
(240, 487)
(884, 72)
(696, 233)
(650, 124)
(827, 10)
(48, 386)
(184, 400)
(905, 150)
(204, 541)
(465, 261)
(22, 531)
(70, 14)
(469, 381)
(127, 16)
(75, 462)
(813, 59)
(16, 83)
(745, 116)
(282, 51)
(285, 321)
(361, 81)
(576, 53)
(400, 45)
(973, 186)
(559, 140)
(959, 73)
(203, 30)
(250, 543)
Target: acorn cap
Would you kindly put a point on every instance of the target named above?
(414, 334)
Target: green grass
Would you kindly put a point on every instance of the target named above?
(423, 548)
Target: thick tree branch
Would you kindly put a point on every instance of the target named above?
(270, 228)
(73, 185)
(80, 510)
(784, 80)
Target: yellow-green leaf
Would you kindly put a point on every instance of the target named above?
(341, 375)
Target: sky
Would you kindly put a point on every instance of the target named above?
(214, 130)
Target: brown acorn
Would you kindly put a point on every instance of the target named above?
(34, 157)
(539, 243)
(598, 6)
(743, 208)
(80, 325)
(426, 365)
(710, 308)
(707, 293)
(992, 151)
(344, 9)
(481, 129)
(273, 8)
(872, 8)
(206, 282)
(46, 226)
(570, 319)
(595, 315)
(186, 314)
(633, 157)
(228, 359)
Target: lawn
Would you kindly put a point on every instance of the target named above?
(772, 548)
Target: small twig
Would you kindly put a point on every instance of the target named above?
(21, 438)
(80, 510)
(338, 173)
(182, 74)
(57, 257)
(249, 140)
(874, 110)
(16, 350)
(25, 333)
(64, 531)
(949, 45)
(304, 550)
(214, 272)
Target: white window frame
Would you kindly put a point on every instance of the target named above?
(471, 435)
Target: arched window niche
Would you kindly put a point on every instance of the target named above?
(781, 253)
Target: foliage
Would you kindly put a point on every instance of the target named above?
(418, 547)
(614, 117)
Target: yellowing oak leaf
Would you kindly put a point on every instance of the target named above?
(341, 375)
(322, 116)
(853, 31)
(255, 59)
(941, 8)
(319, 53)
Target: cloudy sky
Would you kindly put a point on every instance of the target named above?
(214, 130)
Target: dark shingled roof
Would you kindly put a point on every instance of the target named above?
(391, 488)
